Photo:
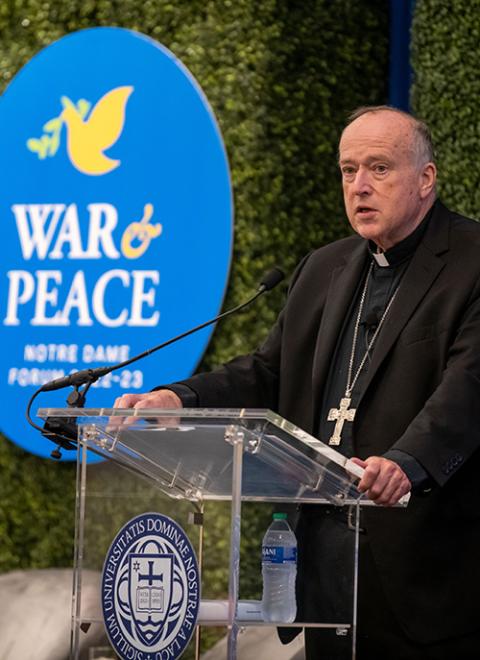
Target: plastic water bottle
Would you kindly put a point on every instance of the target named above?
(279, 570)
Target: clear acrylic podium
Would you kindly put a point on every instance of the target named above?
(177, 462)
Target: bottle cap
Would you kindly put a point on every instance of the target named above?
(279, 516)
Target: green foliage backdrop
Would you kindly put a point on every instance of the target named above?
(281, 76)
(445, 58)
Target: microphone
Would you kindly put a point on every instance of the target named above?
(78, 378)
(270, 280)
(267, 283)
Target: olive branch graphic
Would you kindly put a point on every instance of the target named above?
(48, 143)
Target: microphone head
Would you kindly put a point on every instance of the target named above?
(271, 279)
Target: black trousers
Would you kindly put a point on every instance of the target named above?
(324, 591)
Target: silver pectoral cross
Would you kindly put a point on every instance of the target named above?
(341, 415)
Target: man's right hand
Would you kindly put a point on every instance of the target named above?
(165, 399)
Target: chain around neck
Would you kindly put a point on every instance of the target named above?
(351, 383)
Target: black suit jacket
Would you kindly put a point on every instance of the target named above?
(422, 396)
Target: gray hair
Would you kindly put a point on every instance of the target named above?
(422, 138)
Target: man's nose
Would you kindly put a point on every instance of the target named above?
(362, 184)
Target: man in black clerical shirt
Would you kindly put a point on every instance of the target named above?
(377, 352)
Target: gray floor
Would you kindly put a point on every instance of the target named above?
(35, 611)
(259, 643)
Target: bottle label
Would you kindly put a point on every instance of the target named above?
(278, 555)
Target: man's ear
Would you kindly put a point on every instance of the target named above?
(428, 179)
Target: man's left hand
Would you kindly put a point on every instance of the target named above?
(384, 481)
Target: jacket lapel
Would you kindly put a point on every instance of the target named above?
(422, 272)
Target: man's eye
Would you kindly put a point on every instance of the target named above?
(380, 169)
(348, 171)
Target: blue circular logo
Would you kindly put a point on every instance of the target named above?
(150, 589)
(116, 213)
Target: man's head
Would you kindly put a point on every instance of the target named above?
(388, 174)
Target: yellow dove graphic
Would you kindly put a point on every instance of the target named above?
(88, 138)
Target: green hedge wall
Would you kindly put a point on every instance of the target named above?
(281, 76)
(446, 91)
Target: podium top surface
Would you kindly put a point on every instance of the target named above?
(195, 453)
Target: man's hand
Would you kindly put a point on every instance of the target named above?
(384, 481)
(162, 399)
(165, 399)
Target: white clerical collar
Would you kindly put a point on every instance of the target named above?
(381, 259)
(399, 252)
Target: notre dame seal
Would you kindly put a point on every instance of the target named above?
(150, 589)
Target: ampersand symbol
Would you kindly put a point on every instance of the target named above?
(141, 231)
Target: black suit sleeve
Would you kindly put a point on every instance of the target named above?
(446, 432)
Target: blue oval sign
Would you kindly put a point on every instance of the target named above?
(117, 219)
(150, 589)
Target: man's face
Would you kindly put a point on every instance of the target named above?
(386, 193)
